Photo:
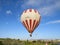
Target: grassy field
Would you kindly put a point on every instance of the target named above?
(9, 41)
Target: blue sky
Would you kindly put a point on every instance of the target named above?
(11, 26)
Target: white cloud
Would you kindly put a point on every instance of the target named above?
(8, 12)
(53, 22)
(35, 2)
(45, 7)
(49, 9)
(30, 3)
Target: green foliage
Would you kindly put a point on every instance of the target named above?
(1, 43)
(9, 41)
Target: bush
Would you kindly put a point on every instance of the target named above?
(1, 43)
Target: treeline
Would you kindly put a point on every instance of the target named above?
(8, 41)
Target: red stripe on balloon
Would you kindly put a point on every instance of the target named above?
(30, 10)
(30, 23)
(33, 24)
(37, 23)
(35, 11)
(24, 24)
(27, 23)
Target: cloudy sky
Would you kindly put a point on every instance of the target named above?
(11, 26)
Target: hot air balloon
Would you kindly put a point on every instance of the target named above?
(30, 19)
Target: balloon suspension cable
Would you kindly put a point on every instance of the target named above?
(30, 34)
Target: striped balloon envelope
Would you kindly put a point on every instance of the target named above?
(30, 19)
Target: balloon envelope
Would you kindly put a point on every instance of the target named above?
(30, 19)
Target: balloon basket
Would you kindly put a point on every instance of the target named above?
(30, 35)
